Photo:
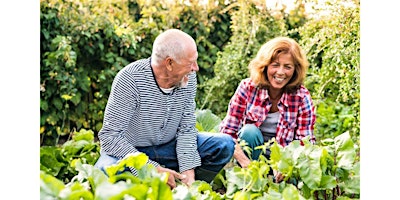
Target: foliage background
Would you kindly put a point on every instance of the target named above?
(83, 44)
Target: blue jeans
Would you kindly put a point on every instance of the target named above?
(253, 136)
(215, 149)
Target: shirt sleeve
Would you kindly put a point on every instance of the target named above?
(232, 123)
(120, 107)
(306, 119)
(186, 140)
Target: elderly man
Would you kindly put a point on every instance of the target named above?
(151, 109)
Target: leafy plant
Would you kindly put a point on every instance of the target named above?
(56, 160)
(207, 121)
(326, 172)
(92, 183)
(330, 170)
(334, 119)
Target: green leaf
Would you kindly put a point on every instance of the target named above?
(49, 160)
(106, 190)
(88, 172)
(275, 156)
(101, 46)
(182, 193)
(327, 161)
(344, 198)
(327, 182)
(291, 193)
(309, 167)
(352, 184)
(159, 190)
(44, 105)
(57, 103)
(76, 191)
(84, 134)
(136, 160)
(73, 148)
(346, 153)
(199, 127)
(125, 176)
(242, 195)
(234, 179)
(76, 99)
(207, 120)
(289, 157)
(259, 177)
(273, 194)
(138, 191)
(50, 187)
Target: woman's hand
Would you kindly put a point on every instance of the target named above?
(239, 155)
(278, 176)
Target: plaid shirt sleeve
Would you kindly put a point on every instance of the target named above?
(306, 118)
(298, 118)
(236, 109)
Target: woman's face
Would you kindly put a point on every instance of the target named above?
(280, 71)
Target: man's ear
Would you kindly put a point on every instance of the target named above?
(168, 63)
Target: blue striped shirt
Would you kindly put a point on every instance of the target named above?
(139, 114)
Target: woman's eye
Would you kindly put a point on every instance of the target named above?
(288, 67)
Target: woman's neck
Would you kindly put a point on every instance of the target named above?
(275, 94)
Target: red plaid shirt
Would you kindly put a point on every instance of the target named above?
(250, 105)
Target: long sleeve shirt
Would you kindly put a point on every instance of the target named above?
(251, 104)
(139, 114)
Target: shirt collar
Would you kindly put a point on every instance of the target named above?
(264, 95)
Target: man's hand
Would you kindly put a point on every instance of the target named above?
(188, 177)
(172, 175)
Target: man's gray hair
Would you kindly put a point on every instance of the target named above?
(169, 43)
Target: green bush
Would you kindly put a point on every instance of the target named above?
(251, 27)
(332, 43)
(83, 46)
(85, 43)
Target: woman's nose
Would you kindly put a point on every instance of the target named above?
(280, 70)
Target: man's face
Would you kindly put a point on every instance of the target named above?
(184, 68)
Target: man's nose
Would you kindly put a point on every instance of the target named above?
(195, 67)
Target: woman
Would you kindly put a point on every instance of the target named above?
(272, 102)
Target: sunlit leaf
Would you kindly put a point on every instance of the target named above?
(50, 186)
(66, 97)
(345, 151)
